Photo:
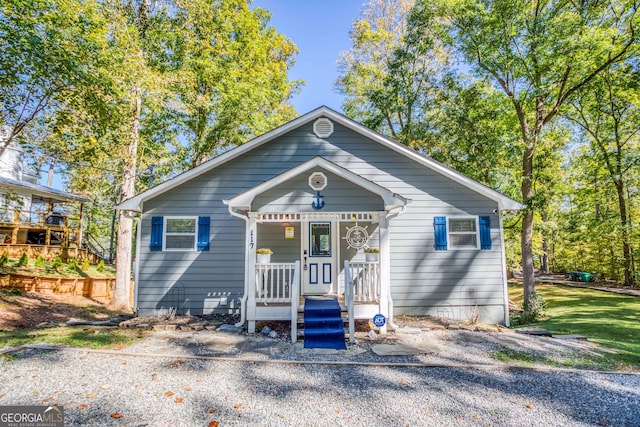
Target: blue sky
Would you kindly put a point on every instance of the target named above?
(320, 29)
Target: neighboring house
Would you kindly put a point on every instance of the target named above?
(35, 215)
(318, 191)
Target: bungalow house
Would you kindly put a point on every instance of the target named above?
(318, 192)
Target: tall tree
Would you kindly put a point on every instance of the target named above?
(608, 112)
(540, 54)
(46, 53)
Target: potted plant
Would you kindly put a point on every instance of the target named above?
(371, 254)
(263, 255)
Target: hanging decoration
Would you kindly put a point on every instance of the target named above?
(318, 203)
(357, 237)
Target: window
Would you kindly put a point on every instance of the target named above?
(180, 233)
(463, 233)
(320, 241)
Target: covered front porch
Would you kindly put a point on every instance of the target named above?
(313, 257)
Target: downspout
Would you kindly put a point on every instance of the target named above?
(390, 216)
(245, 295)
(505, 285)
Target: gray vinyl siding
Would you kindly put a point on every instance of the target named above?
(422, 280)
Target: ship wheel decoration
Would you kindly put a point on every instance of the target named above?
(357, 237)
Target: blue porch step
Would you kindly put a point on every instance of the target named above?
(323, 324)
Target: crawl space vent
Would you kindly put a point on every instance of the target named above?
(323, 128)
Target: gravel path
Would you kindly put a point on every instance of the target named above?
(153, 391)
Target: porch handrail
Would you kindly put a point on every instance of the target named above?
(366, 279)
(295, 296)
(348, 297)
(274, 282)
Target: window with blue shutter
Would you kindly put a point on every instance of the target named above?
(203, 233)
(156, 233)
(440, 228)
(485, 232)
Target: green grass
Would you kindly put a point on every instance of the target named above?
(82, 336)
(608, 319)
(13, 267)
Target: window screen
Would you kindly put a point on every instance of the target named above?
(180, 233)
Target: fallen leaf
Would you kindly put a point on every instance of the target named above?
(458, 417)
(116, 415)
(138, 385)
(47, 400)
(81, 407)
(237, 405)
(91, 395)
(35, 392)
(2, 395)
(476, 416)
(337, 394)
(105, 387)
(213, 411)
(338, 411)
(179, 400)
(188, 389)
(124, 363)
(198, 381)
(169, 393)
(214, 424)
(529, 406)
(153, 377)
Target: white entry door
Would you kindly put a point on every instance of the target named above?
(318, 258)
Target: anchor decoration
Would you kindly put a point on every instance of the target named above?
(318, 203)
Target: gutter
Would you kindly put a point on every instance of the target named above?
(245, 295)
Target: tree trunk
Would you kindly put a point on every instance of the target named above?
(544, 262)
(528, 276)
(121, 293)
(624, 222)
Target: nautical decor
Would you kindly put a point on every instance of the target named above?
(318, 203)
(357, 237)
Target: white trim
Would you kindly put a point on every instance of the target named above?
(505, 284)
(476, 218)
(324, 184)
(195, 234)
(244, 200)
(316, 216)
(504, 202)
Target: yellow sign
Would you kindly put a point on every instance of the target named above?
(289, 232)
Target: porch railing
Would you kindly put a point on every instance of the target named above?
(274, 282)
(366, 280)
(348, 299)
(295, 295)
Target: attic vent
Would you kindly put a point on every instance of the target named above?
(318, 181)
(323, 128)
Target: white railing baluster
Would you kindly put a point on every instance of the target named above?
(365, 277)
(272, 281)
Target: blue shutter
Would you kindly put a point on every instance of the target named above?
(157, 223)
(440, 227)
(203, 233)
(485, 232)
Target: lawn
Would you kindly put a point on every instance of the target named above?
(12, 266)
(609, 319)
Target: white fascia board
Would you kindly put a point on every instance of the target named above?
(135, 203)
(244, 200)
(504, 202)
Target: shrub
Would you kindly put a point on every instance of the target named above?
(57, 263)
(72, 263)
(4, 258)
(85, 264)
(24, 259)
(100, 266)
(264, 251)
(532, 310)
(40, 261)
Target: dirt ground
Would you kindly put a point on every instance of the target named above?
(26, 310)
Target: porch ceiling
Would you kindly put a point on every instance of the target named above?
(243, 201)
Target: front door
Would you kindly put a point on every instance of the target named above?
(318, 258)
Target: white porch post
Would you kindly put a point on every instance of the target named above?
(251, 263)
(385, 269)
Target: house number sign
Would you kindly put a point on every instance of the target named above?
(357, 237)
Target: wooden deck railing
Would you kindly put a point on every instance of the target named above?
(366, 280)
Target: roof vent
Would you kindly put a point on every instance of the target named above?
(323, 128)
(317, 181)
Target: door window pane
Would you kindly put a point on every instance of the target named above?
(320, 239)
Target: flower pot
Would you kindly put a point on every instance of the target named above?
(371, 257)
(263, 258)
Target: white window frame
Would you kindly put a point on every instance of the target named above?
(449, 232)
(194, 234)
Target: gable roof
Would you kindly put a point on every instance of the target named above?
(40, 191)
(135, 203)
(244, 200)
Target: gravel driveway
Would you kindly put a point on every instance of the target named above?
(299, 390)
